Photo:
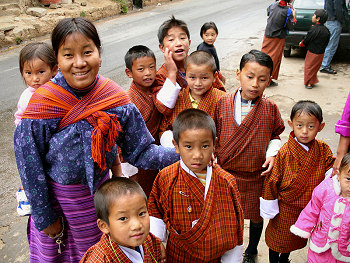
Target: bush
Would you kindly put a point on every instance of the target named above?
(124, 5)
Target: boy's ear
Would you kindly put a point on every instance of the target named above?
(103, 226)
(321, 126)
(318, 19)
(290, 124)
(128, 73)
(176, 147)
(238, 74)
(162, 48)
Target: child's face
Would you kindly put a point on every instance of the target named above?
(209, 36)
(314, 19)
(344, 179)
(177, 42)
(36, 72)
(79, 60)
(143, 72)
(195, 147)
(254, 78)
(199, 79)
(128, 220)
(305, 127)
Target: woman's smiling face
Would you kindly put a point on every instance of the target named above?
(79, 60)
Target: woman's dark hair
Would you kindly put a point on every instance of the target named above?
(208, 25)
(322, 14)
(309, 107)
(68, 26)
(256, 56)
(136, 52)
(40, 50)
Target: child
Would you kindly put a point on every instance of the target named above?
(121, 209)
(325, 219)
(300, 166)
(315, 42)
(37, 64)
(248, 127)
(209, 33)
(199, 93)
(174, 41)
(281, 18)
(199, 205)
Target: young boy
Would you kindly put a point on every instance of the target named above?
(199, 205)
(300, 166)
(199, 93)
(121, 209)
(174, 42)
(315, 42)
(248, 127)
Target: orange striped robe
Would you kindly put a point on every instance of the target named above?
(103, 252)
(241, 150)
(220, 225)
(294, 176)
(183, 102)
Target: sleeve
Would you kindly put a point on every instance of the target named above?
(329, 159)
(137, 144)
(309, 37)
(291, 22)
(341, 12)
(234, 255)
(30, 144)
(278, 124)
(168, 94)
(309, 216)
(273, 147)
(22, 105)
(343, 125)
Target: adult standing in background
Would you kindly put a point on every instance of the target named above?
(337, 16)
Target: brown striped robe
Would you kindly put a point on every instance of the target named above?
(313, 63)
(103, 252)
(273, 46)
(183, 102)
(294, 176)
(220, 225)
(241, 150)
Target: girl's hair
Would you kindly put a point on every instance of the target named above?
(345, 162)
(208, 25)
(39, 50)
(309, 107)
(68, 26)
(256, 56)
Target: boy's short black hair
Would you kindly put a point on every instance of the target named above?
(192, 119)
(136, 52)
(201, 57)
(208, 25)
(322, 14)
(168, 24)
(309, 107)
(110, 190)
(256, 56)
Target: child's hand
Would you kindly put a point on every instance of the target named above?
(269, 162)
(170, 65)
(213, 160)
(163, 253)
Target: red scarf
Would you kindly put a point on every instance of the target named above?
(51, 101)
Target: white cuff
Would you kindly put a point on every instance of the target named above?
(129, 170)
(298, 232)
(158, 228)
(168, 94)
(273, 147)
(328, 173)
(234, 255)
(166, 140)
(268, 208)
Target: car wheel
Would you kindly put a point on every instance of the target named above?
(287, 52)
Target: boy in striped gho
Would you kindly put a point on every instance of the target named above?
(199, 205)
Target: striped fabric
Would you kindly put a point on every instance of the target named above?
(162, 74)
(207, 104)
(202, 178)
(295, 174)
(273, 46)
(241, 149)
(313, 63)
(51, 101)
(76, 204)
(217, 221)
(246, 107)
(103, 252)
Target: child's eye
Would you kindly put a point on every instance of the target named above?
(152, 67)
(67, 55)
(140, 69)
(88, 52)
(122, 218)
(204, 78)
(311, 126)
(143, 213)
(188, 146)
(41, 71)
(249, 77)
(205, 146)
(27, 73)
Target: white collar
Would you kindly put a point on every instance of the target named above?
(133, 255)
(207, 180)
(302, 145)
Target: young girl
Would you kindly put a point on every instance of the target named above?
(300, 166)
(326, 219)
(281, 18)
(209, 33)
(315, 42)
(67, 141)
(37, 64)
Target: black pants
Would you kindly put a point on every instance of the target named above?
(276, 257)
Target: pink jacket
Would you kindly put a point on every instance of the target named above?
(326, 218)
(23, 103)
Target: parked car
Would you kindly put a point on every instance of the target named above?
(305, 10)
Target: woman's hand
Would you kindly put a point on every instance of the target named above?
(54, 229)
(343, 148)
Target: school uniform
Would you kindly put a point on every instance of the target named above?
(297, 171)
(205, 222)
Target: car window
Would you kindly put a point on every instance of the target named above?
(308, 4)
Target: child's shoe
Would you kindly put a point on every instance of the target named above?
(23, 207)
